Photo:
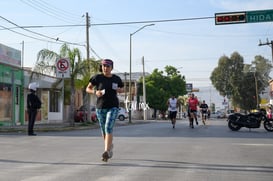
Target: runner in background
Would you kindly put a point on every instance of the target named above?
(204, 111)
(193, 103)
(172, 108)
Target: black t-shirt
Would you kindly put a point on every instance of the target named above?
(204, 107)
(109, 84)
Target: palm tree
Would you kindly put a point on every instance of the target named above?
(46, 61)
(89, 68)
(183, 101)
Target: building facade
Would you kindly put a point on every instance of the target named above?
(11, 86)
(14, 81)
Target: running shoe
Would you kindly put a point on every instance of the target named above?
(105, 156)
(191, 125)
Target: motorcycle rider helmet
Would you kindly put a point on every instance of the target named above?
(33, 86)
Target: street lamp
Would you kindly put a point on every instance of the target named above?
(130, 73)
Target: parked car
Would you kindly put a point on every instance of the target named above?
(122, 114)
(163, 115)
(81, 114)
(218, 114)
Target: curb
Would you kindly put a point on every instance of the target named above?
(63, 127)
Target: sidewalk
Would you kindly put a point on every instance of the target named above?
(45, 127)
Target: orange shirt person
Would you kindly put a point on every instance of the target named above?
(193, 103)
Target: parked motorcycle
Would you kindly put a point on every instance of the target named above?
(253, 120)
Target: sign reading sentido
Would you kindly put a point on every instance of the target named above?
(62, 68)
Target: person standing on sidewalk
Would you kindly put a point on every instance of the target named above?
(33, 104)
(172, 108)
(106, 86)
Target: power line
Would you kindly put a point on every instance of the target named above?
(95, 53)
(47, 12)
(46, 8)
(49, 26)
(269, 43)
(102, 24)
(26, 35)
(66, 13)
(152, 21)
(116, 23)
(45, 36)
(56, 40)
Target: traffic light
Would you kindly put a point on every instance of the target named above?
(230, 18)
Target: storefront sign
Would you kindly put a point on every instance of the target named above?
(10, 56)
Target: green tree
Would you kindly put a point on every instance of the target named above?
(227, 74)
(89, 68)
(246, 98)
(263, 68)
(160, 87)
(258, 73)
(236, 80)
(46, 61)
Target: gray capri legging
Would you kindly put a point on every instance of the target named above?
(107, 118)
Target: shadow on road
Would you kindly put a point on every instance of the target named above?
(143, 163)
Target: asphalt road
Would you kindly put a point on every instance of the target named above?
(146, 152)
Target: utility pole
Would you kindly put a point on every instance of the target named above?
(269, 44)
(87, 57)
(144, 92)
(125, 84)
(87, 35)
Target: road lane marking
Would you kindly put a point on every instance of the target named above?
(252, 144)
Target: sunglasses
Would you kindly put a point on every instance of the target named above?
(106, 65)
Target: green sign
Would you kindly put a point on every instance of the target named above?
(244, 17)
(259, 16)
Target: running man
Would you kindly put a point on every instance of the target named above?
(204, 111)
(172, 108)
(193, 103)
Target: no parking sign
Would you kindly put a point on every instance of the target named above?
(62, 68)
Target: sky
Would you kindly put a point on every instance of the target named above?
(192, 46)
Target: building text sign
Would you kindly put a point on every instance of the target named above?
(10, 56)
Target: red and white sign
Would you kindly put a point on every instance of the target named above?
(62, 68)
